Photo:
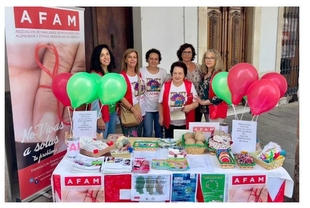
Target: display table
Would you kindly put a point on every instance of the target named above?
(68, 186)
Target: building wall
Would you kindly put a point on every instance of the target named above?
(166, 28)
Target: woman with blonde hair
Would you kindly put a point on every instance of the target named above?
(134, 93)
(213, 108)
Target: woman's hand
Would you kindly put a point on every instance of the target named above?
(137, 113)
(161, 120)
(101, 124)
(202, 102)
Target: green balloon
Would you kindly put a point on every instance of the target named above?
(111, 88)
(220, 87)
(97, 78)
(81, 88)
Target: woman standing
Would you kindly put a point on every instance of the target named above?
(213, 108)
(176, 105)
(153, 76)
(134, 93)
(187, 53)
(103, 62)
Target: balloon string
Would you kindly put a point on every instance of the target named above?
(100, 111)
(257, 118)
(236, 116)
(72, 124)
(246, 102)
(70, 120)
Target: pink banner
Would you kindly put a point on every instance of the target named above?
(41, 42)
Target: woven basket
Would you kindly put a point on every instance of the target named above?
(245, 166)
(212, 151)
(269, 166)
(229, 165)
(194, 149)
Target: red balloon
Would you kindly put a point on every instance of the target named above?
(239, 78)
(59, 88)
(263, 95)
(279, 80)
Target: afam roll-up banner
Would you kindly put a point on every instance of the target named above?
(41, 42)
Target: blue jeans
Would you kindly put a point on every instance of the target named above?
(110, 126)
(150, 121)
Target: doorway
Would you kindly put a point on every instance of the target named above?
(108, 25)
(226, 33)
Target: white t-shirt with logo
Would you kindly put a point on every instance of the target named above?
(135, 91)
(153, 84)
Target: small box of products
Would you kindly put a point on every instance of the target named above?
(225, 159)
(244, 160)
(219, 140)
(142, 145)
(271, 157)
(140, 165)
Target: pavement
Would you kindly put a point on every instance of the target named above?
(278, 125)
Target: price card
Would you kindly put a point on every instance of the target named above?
(244, 135)
(84, 123)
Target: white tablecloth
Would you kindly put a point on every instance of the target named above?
(275, 176)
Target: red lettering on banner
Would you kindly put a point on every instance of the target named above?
(83, 180)
(46, 18)
(254, 179)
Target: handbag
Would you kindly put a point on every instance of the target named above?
(218, 111)
(127, 117)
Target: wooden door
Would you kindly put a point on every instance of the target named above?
(290, 50)
(108, 25)
(226, 29)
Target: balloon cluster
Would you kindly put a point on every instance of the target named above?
(84, 88)
(242, 81)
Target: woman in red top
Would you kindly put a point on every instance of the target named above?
(213, 108)
(176, 107)
(134, 93)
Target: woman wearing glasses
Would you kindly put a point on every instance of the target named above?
(213, 108)
(186, 54)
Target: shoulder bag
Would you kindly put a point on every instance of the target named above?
(127, 117)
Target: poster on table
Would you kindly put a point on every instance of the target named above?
(41, 42)
(213, 187)
(118, 187)
(184, 187)
(150, 187)
(78, 188)
(247, 188)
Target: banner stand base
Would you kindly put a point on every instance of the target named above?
(44, 195)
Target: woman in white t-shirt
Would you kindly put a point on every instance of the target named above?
(134, 94)
(153, 77)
